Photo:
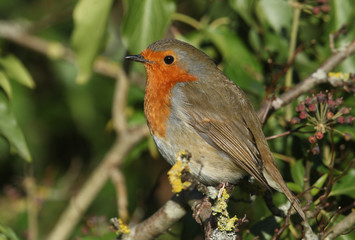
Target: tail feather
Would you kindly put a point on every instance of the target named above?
(276, 181)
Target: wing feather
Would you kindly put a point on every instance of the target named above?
(229, 140)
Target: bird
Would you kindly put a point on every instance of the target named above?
(190, 104)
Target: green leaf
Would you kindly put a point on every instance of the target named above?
(7, 232)
(350, 236)
(245, 9)
(276, 45)
(294, 187)
(278, 13)
(11, 130)
(240, 64)
(345, 186)
(343, 13)
(15, 70)
(319, 184)
(144, 22)
(5, 85)
(297, 173)
(90, 20)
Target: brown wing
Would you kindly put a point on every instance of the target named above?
(218, 118)
(222, 115)
(229, 140)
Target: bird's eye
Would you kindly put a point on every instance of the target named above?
(169, 59)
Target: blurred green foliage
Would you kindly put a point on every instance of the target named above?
(65, 128)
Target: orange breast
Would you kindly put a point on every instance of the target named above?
(161, 78)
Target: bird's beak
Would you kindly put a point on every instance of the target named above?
(137, 58)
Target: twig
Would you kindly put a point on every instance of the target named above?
(331, 170)
(263, 116)
(342, 226)
(30, 186)
(95, 182)
(122, 200)
(346, 170)
(307, 177)
(342, 30)
(317, 77)
(127, 138)
(284, 227)
(188, 20)
(16, 33)
(159, 222)
(291, 53)
(120, 96)
(285, 133)
(333, 216)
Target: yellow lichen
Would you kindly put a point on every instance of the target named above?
(219, 207)
(339, 75)
(176, 170)
(224, 222)
(119, 226)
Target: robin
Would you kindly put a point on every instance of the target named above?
(191, 105)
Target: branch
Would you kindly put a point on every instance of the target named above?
(166, 216)
(119, 181)
(127, 136)
(159, 222)
(119, 99)
(32, 209)
(126, 140)
(16, 32)
(317, 77)
(341, 227)
(95, 182)
(173, 210)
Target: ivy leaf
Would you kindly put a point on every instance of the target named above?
(345, 186)
(277, 13)
(10, 129)
(90, 20)
(5, 85)
(245, 9)
(297, 173)
(240, 64)
(15, 70)
(342, 13)
(319, 184)
(294, 187)
(144, 22)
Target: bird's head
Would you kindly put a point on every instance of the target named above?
(173, 61)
